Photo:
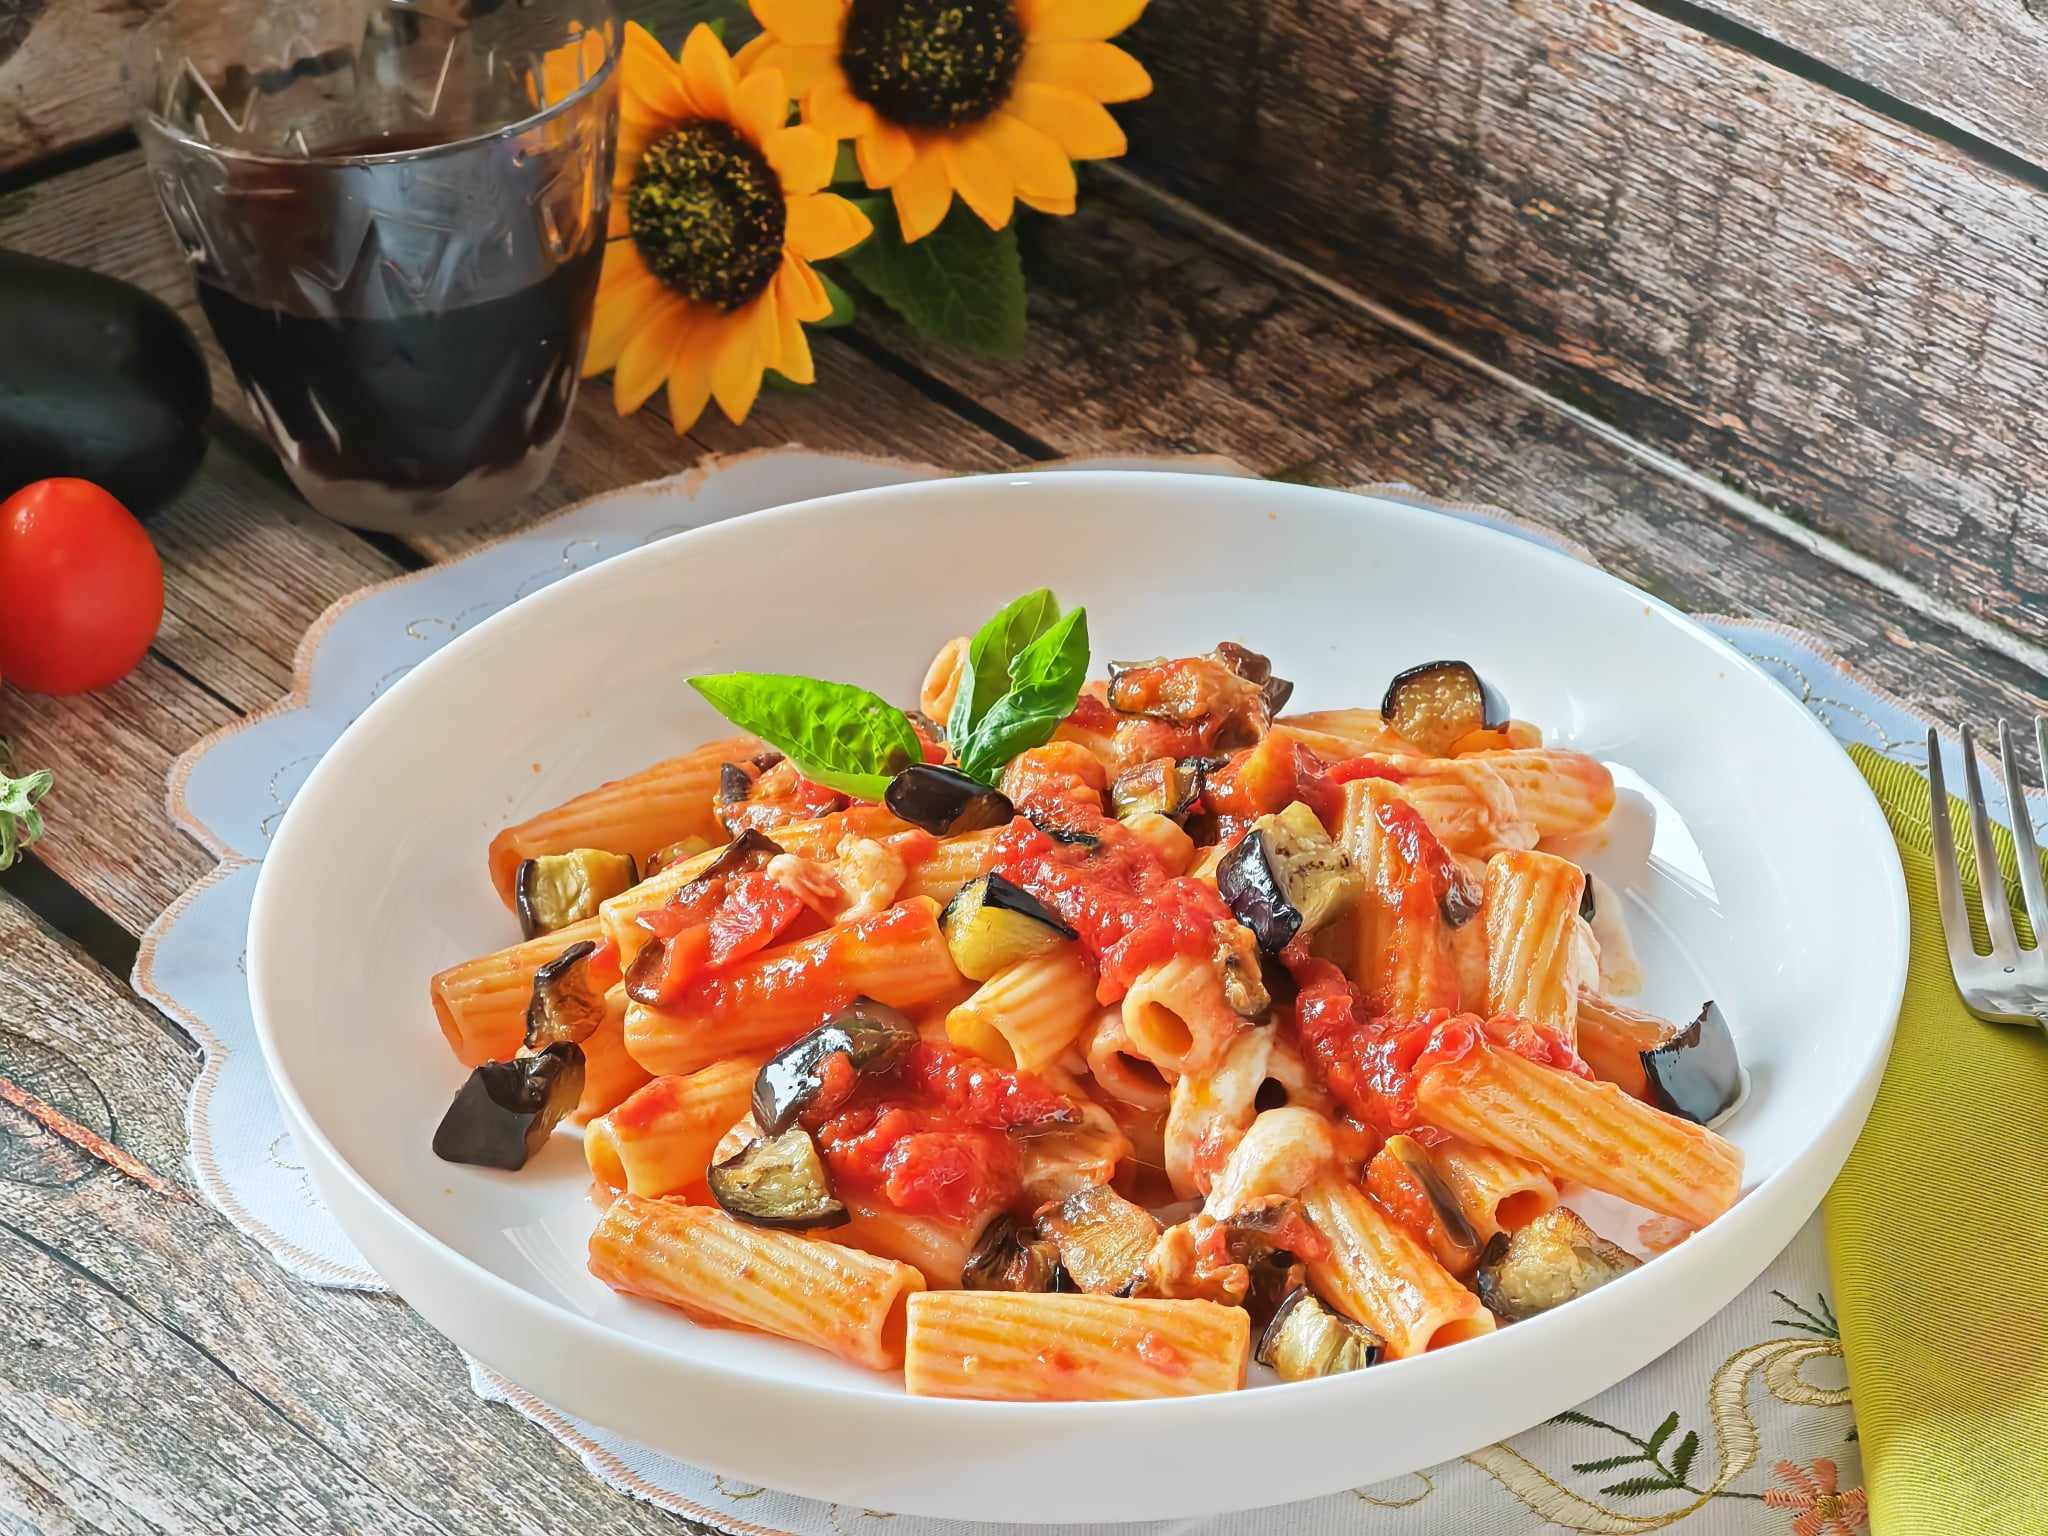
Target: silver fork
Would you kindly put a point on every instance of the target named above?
(2009, 985)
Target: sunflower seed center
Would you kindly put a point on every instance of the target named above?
(707, 213)
(932, 63)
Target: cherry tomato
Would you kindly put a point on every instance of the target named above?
(81, 588)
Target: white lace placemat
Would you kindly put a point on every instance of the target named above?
(1744, 1428)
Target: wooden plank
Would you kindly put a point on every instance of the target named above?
(1734, 265)
(60, 74)
(107, 832)
(1145, 340)
(167, 1377)
(1977, 64)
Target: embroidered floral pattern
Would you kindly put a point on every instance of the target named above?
(1823, 1509)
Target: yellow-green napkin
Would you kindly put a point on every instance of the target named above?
(1937, 1233)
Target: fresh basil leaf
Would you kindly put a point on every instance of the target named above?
(985, 675)
(20, 822)
(836, 734)
(1045, 683)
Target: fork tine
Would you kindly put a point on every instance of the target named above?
(2031, 883)
(1948, 885)
(1990, 873)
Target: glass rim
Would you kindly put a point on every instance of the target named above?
(611, 29)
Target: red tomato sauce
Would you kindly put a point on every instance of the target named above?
(1115, 893)
(1371, 1063)
(932, 1137)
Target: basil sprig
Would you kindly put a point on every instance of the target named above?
(837, 735)
(1021, 678)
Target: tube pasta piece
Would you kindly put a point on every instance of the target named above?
(1400, 946)
(700, 1260)
(481, 1003)
(1289, 1080)
(660, 1140)
(941, 684)
(1535, 957)
(1175, 1015)
(1163, 835)
(1211, 1111)
(1467, 804)
(936, 1248)
(1591, 1132)
(1282, 1152)
(1613, 1037)
(610, 1074)
(897, 957)
(1019, 1347)
(1559, 793)
(952, 864)
(1497, 1192)
(1375, 1272)
(639, 814)
(1336, 733)
(1120, 1071)
(1027, 1014)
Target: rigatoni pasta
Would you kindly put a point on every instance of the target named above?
(1080, 1034)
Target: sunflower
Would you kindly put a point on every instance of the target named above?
(718, 210)
(992, 99)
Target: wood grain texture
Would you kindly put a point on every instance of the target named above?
(60, 73)
(1736, 266)
(162, 1375)
(1144, 339)
(1975, 63)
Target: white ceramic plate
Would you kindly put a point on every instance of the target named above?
(1756, 868)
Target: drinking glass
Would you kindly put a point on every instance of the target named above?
(395, 214)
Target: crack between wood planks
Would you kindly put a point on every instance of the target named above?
(69, 914)
(1766, 49)
(278, 1410)
(1985, 632)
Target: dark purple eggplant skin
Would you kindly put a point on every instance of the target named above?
(1274, 692)
(1245, 882)
(872, 1036)
(945, 801)
(734, 784)
(507, 1109)
(1586, 907)
(1460, 901)
(1493, 705)
(98, 380)
(1697, 1074)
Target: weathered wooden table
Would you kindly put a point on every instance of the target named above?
(1748, 296)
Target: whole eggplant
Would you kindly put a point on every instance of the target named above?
(98, 380)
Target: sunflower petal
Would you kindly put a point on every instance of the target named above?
(1101, 70)
(650, 82)
(816, 22)
(1053, 205)
(834, 109)
(625, 288)
(760, 104)
(795, 362)
(650, 353)
(708, 74)
(736, 371)
(1080, 21)
(981, 178)
(823, 225)
(799, 291)
(802, 158)
(1040, 167)
(922, 194)
(801, 67)
(1081, 127)
(884, 154)
(689, 388)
